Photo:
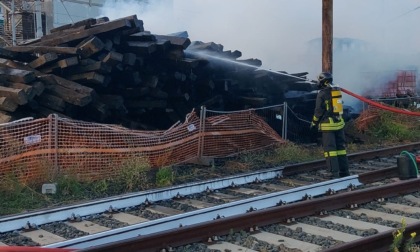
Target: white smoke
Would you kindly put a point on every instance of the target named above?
(277, 32)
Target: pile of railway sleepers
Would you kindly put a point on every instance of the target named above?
(113, 71)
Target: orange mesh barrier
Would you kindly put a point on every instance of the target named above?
(37, 150)
(25, 148)
(232, 133)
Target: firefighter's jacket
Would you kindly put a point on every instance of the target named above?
(329, 109)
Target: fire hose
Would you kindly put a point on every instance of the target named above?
(414, 159)
(380, 105)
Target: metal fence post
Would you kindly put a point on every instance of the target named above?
(56, 143)
(53, 141)
(284, 130)
(201, 132)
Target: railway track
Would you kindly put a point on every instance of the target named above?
(203, 211)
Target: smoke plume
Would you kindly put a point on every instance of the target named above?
(279, 32)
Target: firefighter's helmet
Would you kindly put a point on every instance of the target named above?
(323, 78)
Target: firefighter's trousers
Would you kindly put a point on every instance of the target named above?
(334, 145)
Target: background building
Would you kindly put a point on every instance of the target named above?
(29, 19)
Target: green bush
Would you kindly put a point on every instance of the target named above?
(293, 153)
(164, 176)
(16, 197)
(132, 175)
(395, 127)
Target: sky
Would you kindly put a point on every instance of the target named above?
(278, 31)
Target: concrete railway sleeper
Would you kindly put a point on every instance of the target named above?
(285, 227)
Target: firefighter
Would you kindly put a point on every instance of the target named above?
(328, 119)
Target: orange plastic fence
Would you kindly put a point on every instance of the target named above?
(37, 150)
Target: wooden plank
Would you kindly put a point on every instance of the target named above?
(108, 44)
(113, 58)
(20, 56)
(43, 49)
(5, 117)
(141, 36)
(115, 25)
(28, 89)
(210, 46)
(17, 95)
(54, 35)
(98, 111)
(7, 104)
(163, 45)
(174, 54)
(61, 64)
(128, 32)
(115, 103)
(8, 54)
(13, 64)
(17, 75)
(129, 59)
(38, 87)
(43, 59)
(176, 42)
(135, 22)
(69, 95)
(88, 66)
(89, 78)
(52, 79)
(52, 102)
(90, 47)
(141, 47)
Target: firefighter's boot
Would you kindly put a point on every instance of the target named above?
(344, 166)
(333, 166)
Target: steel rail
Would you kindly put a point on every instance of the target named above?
(211, 213)
(14, 222)
(203, 231)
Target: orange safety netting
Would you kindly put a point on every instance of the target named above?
(37, 150)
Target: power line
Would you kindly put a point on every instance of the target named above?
(418, 7)
(68, 13)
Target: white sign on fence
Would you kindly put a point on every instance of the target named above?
(32, 139)
(191, 127)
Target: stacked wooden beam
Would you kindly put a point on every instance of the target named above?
(116, 72)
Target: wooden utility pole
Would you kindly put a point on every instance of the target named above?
(327, 35)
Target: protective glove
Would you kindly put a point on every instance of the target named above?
(313, 127)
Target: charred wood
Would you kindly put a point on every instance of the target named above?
(7, 104)
(52, 102)
(16, 95)
(43, 59)
(17, 75)
(5, 117)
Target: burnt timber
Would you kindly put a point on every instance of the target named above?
(113, 71)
